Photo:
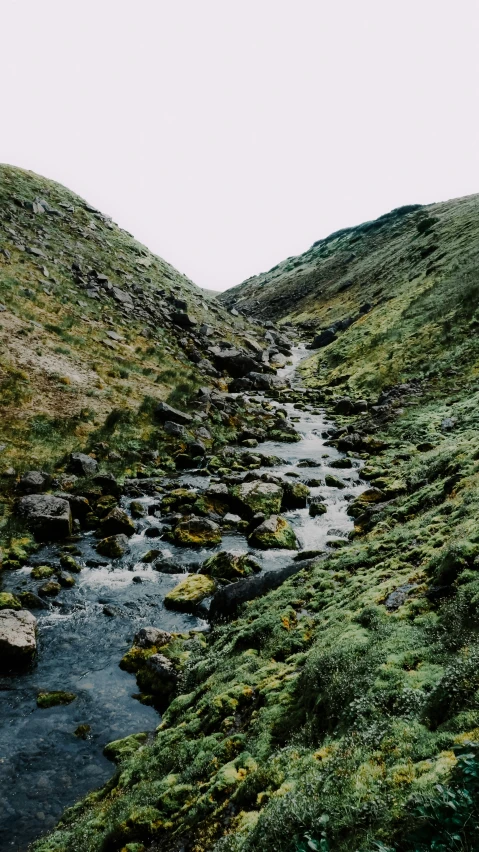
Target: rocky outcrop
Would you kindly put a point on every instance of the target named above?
(82, 465)
(253, 497)
(273, 533)
(188, 594)
(48, 517)
(226, 601)
(165, 412)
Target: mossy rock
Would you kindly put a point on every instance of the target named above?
(9, 601)
(333, 481)
(119, 750)
(66, 580)
(50, 589)
(316, 509)
(197, 532)
(229, 566)
(105, 504)
(117, 522)
(113, 546)
(54, 699)
(186, 596)
(275, 532)
(137, 509)
(41, 572)
(295, 495)
(67, 561)
(150, 555)
(257, 496)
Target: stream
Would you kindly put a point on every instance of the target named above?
(82, 635)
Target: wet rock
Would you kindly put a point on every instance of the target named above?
(113, 546)
(307, 554)
(317, 508)
(295, 496)
(82, 465)
(117, 522)
(31, 601)
(231, 520)
(229, 566)
(153, 532)
(333, 481)
(188, 594)
(48, 517)
(148, 636)
(275, 532)
(41, 572)
(234, 361)
(79, 506)
(45, 700)
(197, 532)
(17, 637)
(9, 601)
(82, 731)
(108, 484)
(257, 496)
(67, 561)
(309, 463)
(50, 589)
(324, 338)
(33, 482)
(167, 566)
(164, 412)
(137, 509)
(150, 555)
(226, 601)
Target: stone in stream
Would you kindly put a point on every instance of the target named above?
(45, 700)
(197, 532)
(17, 637)
(188, 594)
(117, 522)
(275, 532)
(137, 509)
(113, 546)
(333, 481)
(229, 566)
(120, 750)
(41, 572)
(148, 636)
(48, 517)
(295, 496)
(258, 496)
(316, 507)
(9, 601)
(50, 589)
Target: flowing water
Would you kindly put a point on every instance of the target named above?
(44, 766)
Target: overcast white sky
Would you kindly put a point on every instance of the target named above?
(229, 134)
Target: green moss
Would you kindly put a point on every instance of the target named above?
(45, 700)
(190, 592)
(9, 601)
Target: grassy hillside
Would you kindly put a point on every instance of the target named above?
(413, 273)
(341, 711)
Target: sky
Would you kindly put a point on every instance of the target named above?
(227, 135)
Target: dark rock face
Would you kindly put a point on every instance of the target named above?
(82, 465)
(234, 361)
(226, 601)
(172, 428)
(165, 413)
(107, 483)
(79, 505)
(324, 339)
(183, 320)
(117, 522)
(33, 482)
(48, 517)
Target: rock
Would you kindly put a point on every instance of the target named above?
(31, 601)
(342, 464)
(119, 750)
(307, 554)
(295, 496)
(67, 561)
(148, 636)
(188, 594)
(197, 532)
(137, 509)
(17, 637)
(82, 732)
(226, 601)
(231, 520)
(258, 496)
(333, 482)
(79, 506)
(399, 596)
(48, 517)
(324, 339)
(229, 566)
(317, 508)
(66, 580)
(45, 700)
(41, 572)
(50, 589)
(108, 484)
(9, 601)
(175, 429)
(33, 482)
(167, 566)
(122, 297)
(183, 320)
(117, 522)
(113, 546)
(82, 465)
(262, 381)
(273, 533)
(235, 362)
(153, 532)
(164, 412)
(162, 668)
(150, 555)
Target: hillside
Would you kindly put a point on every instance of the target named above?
(399, 295)
(339, 711)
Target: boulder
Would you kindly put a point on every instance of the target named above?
(17, 637)
(197, 532)
(230, 566)
(113, 546)
(172, 428)
(317, 508)
(146, 637)
(257, 496)
(333, 481)
(48, 517)
(33, 482)
(50, 589)
(234, 361)
(188, 594)
(122, 297)
(45, 700)
(164, 412)
(275, 532)
(79, 506)
(295, 496)
(108, 484)
(226, 601)
(183, 320)
(82, 465)
(324, 339)
(117, 522)
(9, 601)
